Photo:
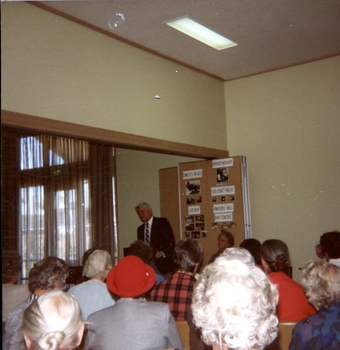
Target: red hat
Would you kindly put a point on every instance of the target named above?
(131, 277)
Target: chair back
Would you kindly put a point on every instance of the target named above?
(184, 332)
(284, 336)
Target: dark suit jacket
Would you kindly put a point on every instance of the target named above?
(162, 239)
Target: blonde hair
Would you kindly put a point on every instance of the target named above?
(234, 302)
(53, 321)
(321, 281)
(98, 264)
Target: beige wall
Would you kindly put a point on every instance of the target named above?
(138, 181)
(55, 68)
(287, 123)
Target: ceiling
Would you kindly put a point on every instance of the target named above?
(271, 34)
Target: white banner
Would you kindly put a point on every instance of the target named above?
(221, 191)
(223, 208)
(222, 163)
(224, 217)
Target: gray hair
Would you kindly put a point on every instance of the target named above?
(98, 264)
(143, 204)
(321, 281)
(234, 302)
(53, 321)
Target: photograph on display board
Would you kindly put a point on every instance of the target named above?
(189, 219)
(193, 187)
(222, 176)
(204, 234)
(199, 218)
(189, 227)
(199, 199)
(195, 234)
(190, 200)
(200, 226)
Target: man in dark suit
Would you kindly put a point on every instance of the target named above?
(158, 233)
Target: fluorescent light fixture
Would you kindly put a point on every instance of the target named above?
(200, 33)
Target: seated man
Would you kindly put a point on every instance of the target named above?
(133, 322)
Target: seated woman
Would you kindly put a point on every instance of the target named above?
(53, 321)
(234, 303)
(224, 240)
(321, 281)
(93, 294)
(254, 247)
(293, 305)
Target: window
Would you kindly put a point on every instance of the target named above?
(62, 185)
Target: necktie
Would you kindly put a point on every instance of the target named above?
(147, 233)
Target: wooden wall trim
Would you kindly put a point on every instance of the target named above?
(119, 139)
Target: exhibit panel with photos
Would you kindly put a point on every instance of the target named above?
(213, 195)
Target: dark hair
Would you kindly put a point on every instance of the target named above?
(275, 253)
(229, 236)
(142, 250)
(187, 254)
(49, 273)
(330, 244)
(254, 247)
(11, 265)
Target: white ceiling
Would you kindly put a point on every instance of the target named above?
(271, 34)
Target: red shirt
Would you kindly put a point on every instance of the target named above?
(177, 292)
(293, 305)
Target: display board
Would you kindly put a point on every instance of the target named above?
(213, 195)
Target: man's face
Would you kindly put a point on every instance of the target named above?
(144, 214)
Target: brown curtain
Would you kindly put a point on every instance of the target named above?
(59, 197)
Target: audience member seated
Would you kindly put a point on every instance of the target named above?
(53, 321)
(86, 255)
(177, 290)
(254, 248)
(93, 294)
(47, 274)
(234, 303)
(144, 251)
(330, 247)
(12, 293)
(321, 281)
(224, 240)
(133, 322)
(293, 305)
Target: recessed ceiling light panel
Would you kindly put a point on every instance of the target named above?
(200, 33)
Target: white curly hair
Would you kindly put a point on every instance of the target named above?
(234, 303)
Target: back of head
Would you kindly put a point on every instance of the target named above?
(48, 273)
(141, 249)
(187, 255)
(321, 283)
(275, 253)
(330, 244)
(98, 264)
(234, 302)
(254, 247)
(11, 266)
(53, 321)
(229, 236)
